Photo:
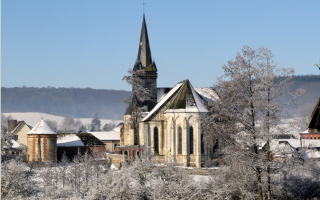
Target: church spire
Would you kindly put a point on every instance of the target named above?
(144, 59)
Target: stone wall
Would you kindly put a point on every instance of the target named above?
(42, 148)
(116, 159)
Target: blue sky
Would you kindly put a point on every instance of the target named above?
(81, 44)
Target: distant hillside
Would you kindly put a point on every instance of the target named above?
(76, 102)
(311, 85)
(83, 103)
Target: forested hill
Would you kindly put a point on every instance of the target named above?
(76, 102)
(311, 86)
(83, 103)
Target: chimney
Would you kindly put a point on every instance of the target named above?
(12, 123)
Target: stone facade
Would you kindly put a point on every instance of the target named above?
(42, 147)
(42, 143)
(165, 143)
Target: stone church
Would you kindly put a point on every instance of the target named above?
(171, 127)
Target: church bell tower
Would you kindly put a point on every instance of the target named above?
(144, 61)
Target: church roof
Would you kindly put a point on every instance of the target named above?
(181, 98)
(41, 128)
(144, 59)
(314, 121)
(78, 139)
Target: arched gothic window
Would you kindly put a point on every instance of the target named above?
(179, 140)
(135, 137)
(202, 144)
(156, 140)
(191, 140)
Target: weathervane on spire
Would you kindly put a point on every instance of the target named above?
(143, 5)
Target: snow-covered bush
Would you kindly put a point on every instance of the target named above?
(15, 183)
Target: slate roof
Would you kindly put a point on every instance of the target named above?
(181, 98)
(144, 58)
(41, 128)
(19, 123)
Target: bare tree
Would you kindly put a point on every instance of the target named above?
(64, 167)
(136, 100)
(271, 82)
(69, 124)
(248, 111)
(109, 126)
(53, 124)
(4, 120)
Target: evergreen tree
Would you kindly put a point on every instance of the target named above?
(95, 123)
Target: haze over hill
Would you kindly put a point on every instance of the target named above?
(32, 118)
(76, 102)
(83, 103)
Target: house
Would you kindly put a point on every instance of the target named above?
(313, 126)
(111, 139)
(16, 150)
(20, 129)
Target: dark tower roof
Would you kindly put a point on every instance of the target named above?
(314, 121)
(144, 59)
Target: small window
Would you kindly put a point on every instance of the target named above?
(115, 146)
(318, 138)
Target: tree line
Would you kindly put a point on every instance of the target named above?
(82, 103)
(77, 102)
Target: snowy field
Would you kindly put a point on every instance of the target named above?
(32, 118)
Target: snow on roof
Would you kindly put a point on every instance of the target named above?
(306, 131)
(15, 144)
(186, 100)
(117, 129)
(69, 140)
(311, 154)
(209, 93)
(41, 128)
(295, 143)
(162, 101)
(187, 94)
(19, 123)
(310, 143)
(107, 135)
(17, 126)
(199, 103)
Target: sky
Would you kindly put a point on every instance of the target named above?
(81, 43)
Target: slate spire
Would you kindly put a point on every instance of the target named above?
(144, 59)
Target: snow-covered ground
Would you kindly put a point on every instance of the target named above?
(32, 118)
